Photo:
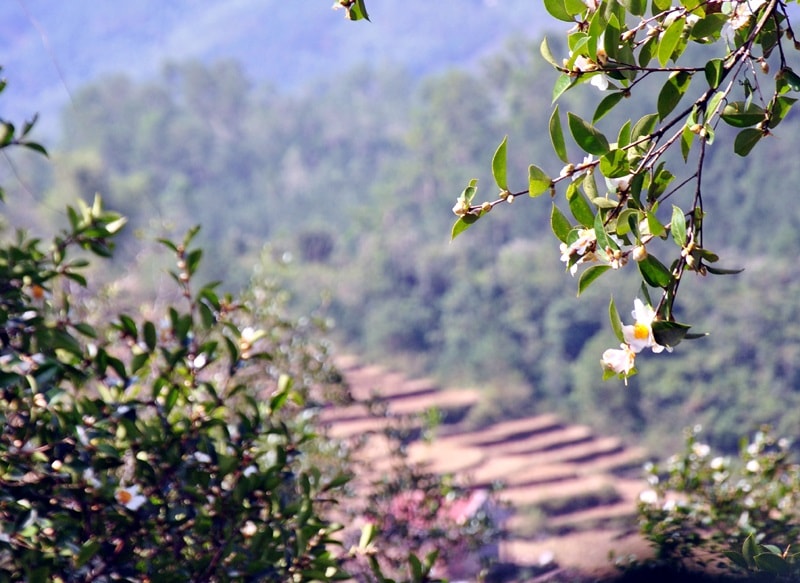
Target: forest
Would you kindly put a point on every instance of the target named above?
(344, 201)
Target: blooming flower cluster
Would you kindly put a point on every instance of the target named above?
(637, 336)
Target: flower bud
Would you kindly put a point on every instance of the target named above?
(639, 253)
(486, 207)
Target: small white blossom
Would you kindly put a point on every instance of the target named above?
(620, 360)
(718, 463)
(753, 466)
(581, 247)
(640, 335)
(619, 184)
(249, 529)
(249, 471)
(649, 497)
(130, 497)
(202, 457)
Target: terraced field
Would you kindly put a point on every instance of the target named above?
(572, 493)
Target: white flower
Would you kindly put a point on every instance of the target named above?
(718, 463)
(599, 81)
(91, 478)
(584, 65)
(580, 247)
(649, 497)
(753, 466)
(619, 184)
(249, 529)
(621, 360)
(202, 457)
(640, 335)
(130, 497)
(740, 17)
(249, 471)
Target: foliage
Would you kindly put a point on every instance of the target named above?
(613, 45)
(182, 443)
(701, 505)
(138, 450)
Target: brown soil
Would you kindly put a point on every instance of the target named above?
(566, 486)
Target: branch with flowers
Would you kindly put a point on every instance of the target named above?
(617, 194)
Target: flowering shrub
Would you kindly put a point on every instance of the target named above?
(703, 506)
(180, 444)
(149, 450)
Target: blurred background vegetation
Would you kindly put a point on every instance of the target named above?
(335, 181)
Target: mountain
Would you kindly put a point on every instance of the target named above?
(48, 50)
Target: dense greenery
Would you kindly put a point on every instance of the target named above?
(338, 199)
(177, 439)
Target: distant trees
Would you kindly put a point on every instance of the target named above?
(352, 192)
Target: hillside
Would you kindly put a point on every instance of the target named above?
(571, 493)
(50, 50)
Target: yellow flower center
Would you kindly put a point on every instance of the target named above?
(123, 496)
(641, 331)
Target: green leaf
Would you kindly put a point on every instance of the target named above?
(714, 70)
(661, 5)
(150, 335)
(603, 240)
(644, 127)
(580, 207)
(654, 272)
(654, 225)
(606, 105)
(462, 224)
(588, 138)
(721, 271)
(750, 550)
(741, 115)
(772, 563)
(614, 164)
(616, 321)
(557, 136)
(590, 276)
(538, 181)
(636, 7)
(558, 9)
(736, 558)
(669, 333)
(544, 48)
(710, 26)
(672, 92)
(85, 329)
(746, 141)
(563, 83)
(678, 226)
(88, 550)
(559, 224)
(687, 137)
(499, 164)
(357, 11)
(669, 41)
(779, 109)
(791, 78)
(624, 136)
(611, 35)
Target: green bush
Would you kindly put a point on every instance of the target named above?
(703, 507)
